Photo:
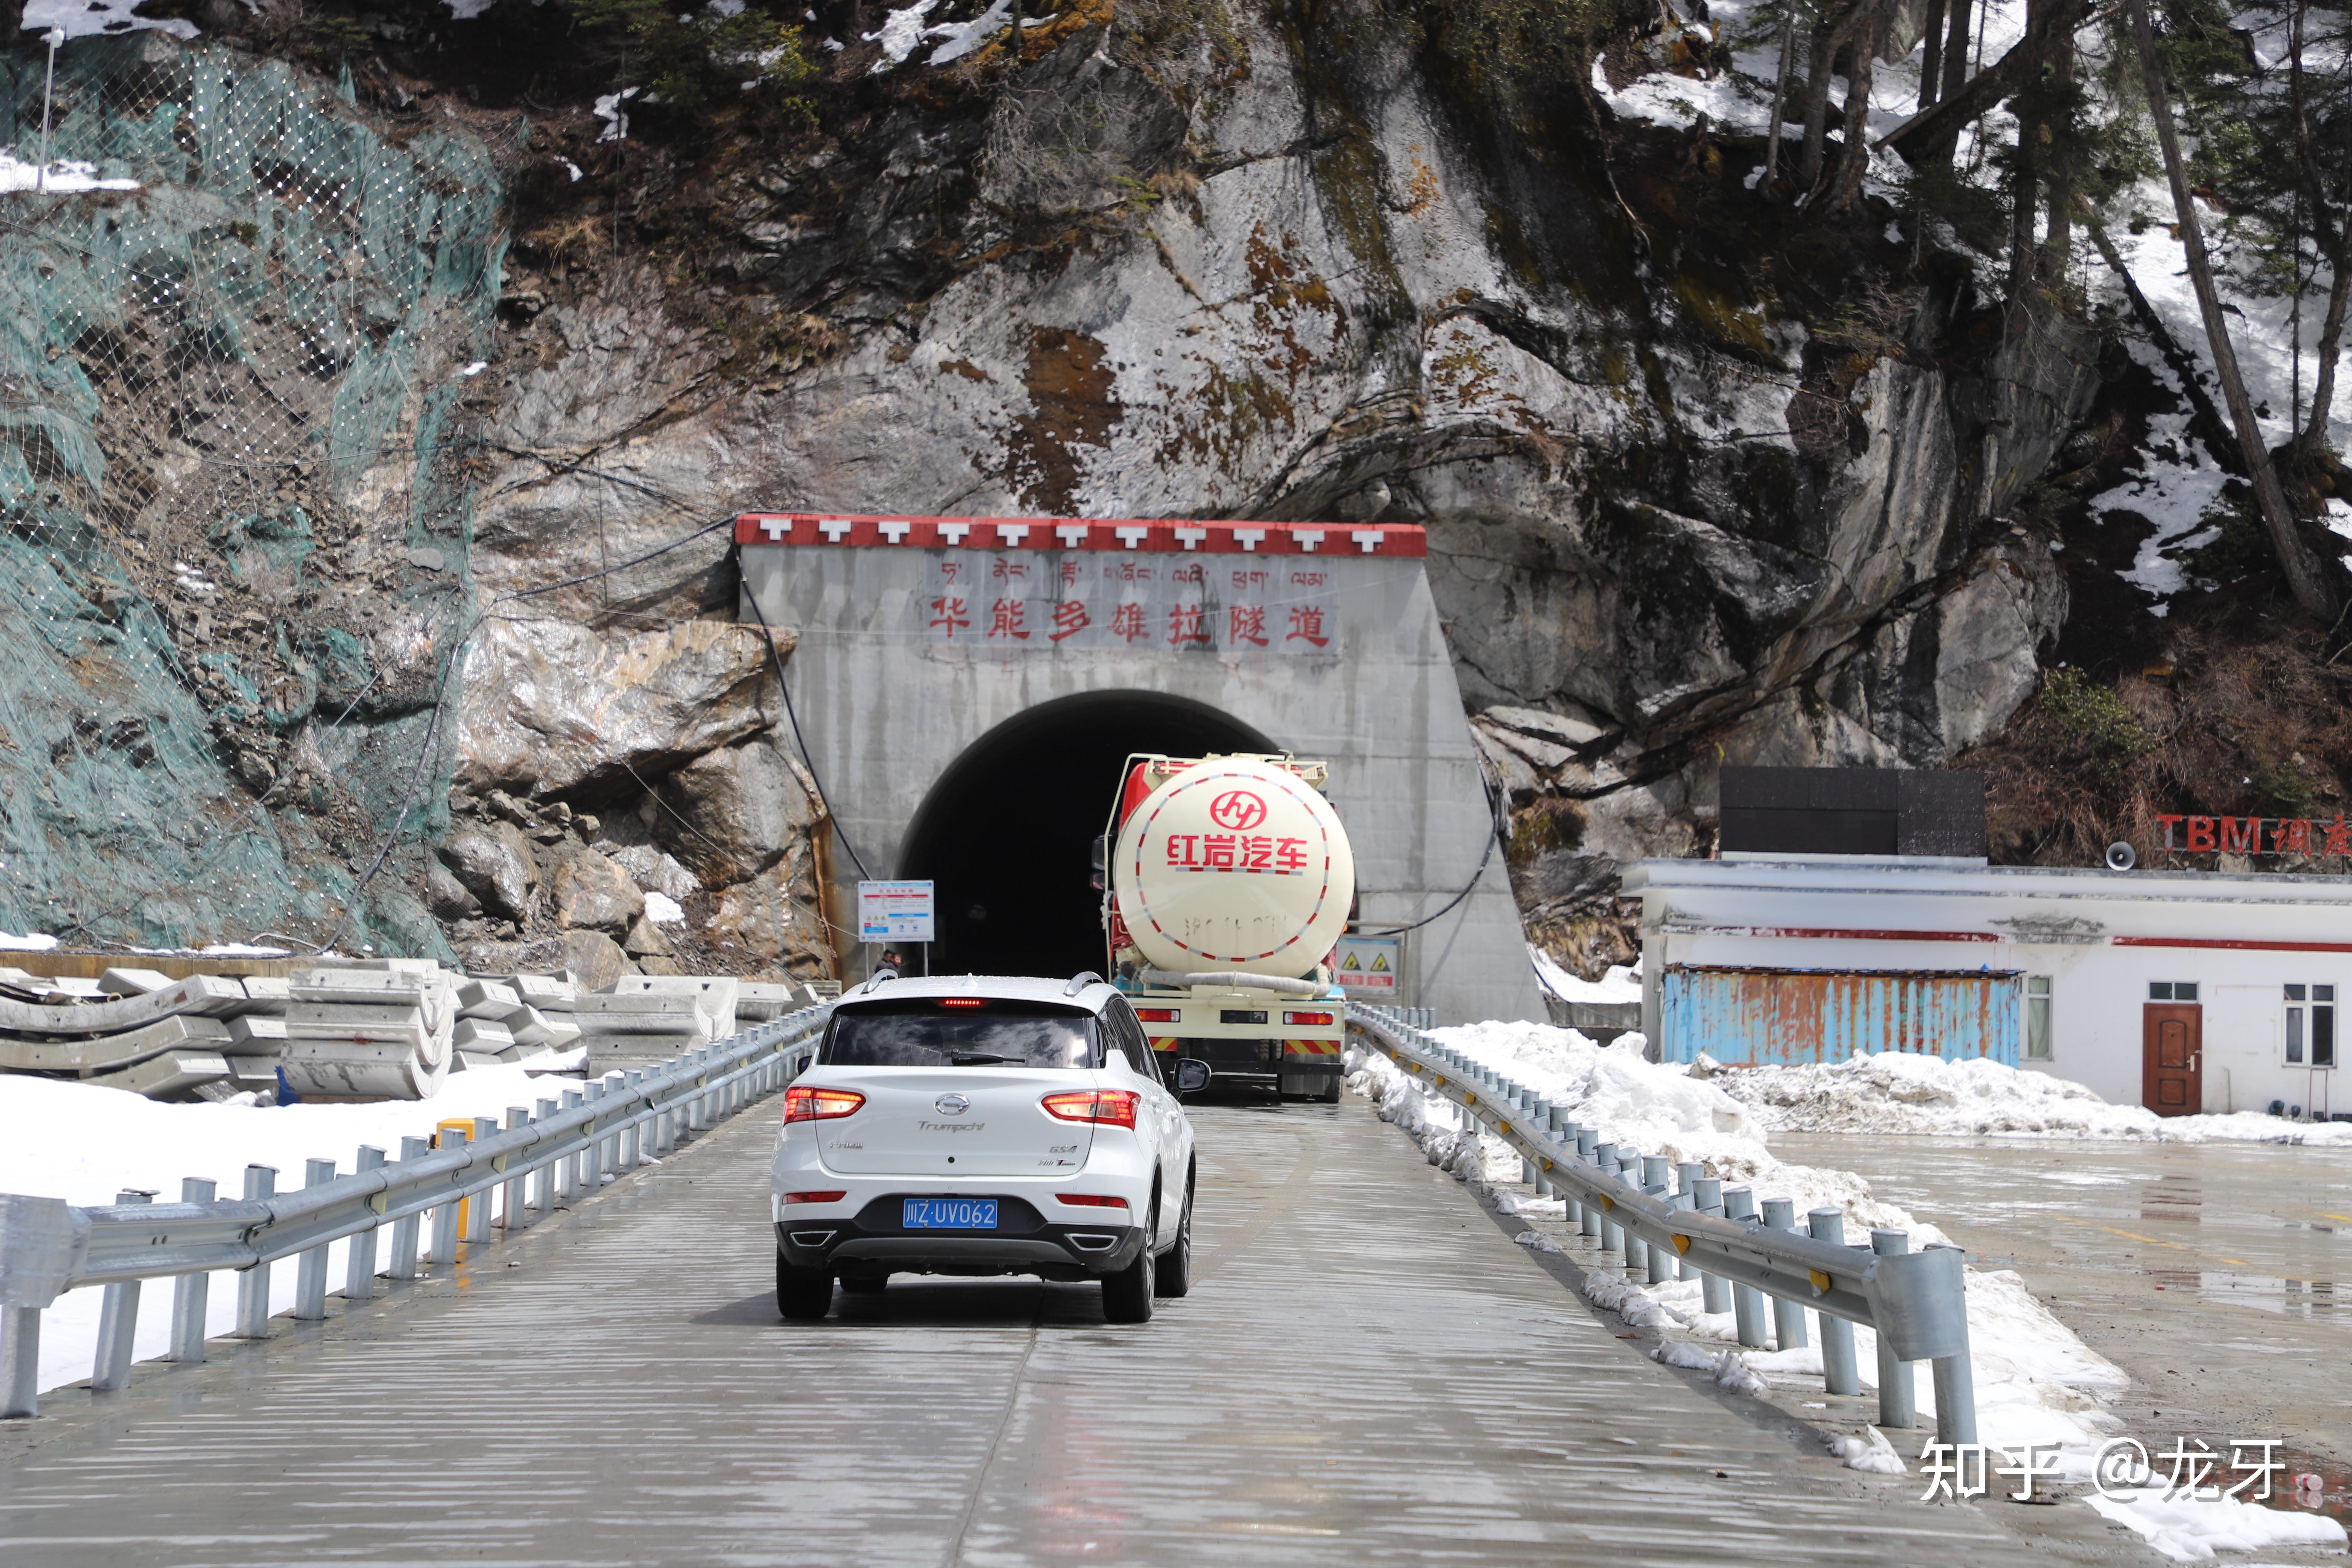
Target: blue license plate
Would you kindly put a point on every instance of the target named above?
(951, 1214)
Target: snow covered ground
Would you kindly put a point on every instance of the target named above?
(84, 1143)
(1896, 1091)
(2036, 1382)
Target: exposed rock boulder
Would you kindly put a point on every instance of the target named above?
(446, 897)
(588, 892)
(594, 958)
(494, 863)
(734, 812)
(773, 915)
(554, 706)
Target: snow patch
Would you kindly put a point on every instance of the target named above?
(2192, 1529)
(663, 909)
(1904, 1092)
(86, 18)
(84, 1143)
(65, 176)
(1622, 984)
(901, 31)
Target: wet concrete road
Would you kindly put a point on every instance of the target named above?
(2219, 1275)
(1368, 1373)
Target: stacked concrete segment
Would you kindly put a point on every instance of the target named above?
(649, 1018)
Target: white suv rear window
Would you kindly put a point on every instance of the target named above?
(932, 1033)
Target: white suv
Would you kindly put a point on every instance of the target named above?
(982, 1125)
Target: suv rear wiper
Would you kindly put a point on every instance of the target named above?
(979, 1059)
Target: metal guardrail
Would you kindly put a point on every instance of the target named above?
(49, 1247)
(1619, 1199)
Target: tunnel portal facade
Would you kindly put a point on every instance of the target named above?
(967, 688)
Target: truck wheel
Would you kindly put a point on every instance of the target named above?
(803, 1295)
(1127, 1295)
(1173, 1276)
(1330, 1095)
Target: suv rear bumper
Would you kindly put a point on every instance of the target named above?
(869, 1245)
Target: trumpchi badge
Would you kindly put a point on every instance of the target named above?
(951, 1104)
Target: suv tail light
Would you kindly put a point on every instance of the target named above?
(1158, 1014)
(1319, 1020)
(804, 1104)
(1112, 1107)
(1090, 1200)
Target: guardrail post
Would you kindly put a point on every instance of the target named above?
(1686, 1178)
(1955, 1382)
(698, 1113)
(1898, 1404)
(402, 1265)
(608, 1148)
(592, 1154)
(252, 1284)
(191, 1293)
(310, 1268)
(1747, 1301)
(1659, 1260)
(1788, 1318)
(515, 1214)
(1612, 1234)
(444, 1246)
(1588, 1145)
(1838, 1370)
(20, 1361)
(1637, 1251)
(117, 1318)
(631, 1135)
(1715, 1292)
(567, 1169)
(548, 1171)
(478, 1212)
(359, 1262)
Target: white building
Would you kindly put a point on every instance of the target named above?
(2178, 990)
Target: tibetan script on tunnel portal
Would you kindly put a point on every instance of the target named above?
(1029, 599)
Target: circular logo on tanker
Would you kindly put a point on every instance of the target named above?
(1237, 809)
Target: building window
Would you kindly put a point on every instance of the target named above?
(2037, 1017)
(2311, 1022)
(2172, 991)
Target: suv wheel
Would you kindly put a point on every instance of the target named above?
(1127, 1295)
(803, 1295)
(1172, 1276)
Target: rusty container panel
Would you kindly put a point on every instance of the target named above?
(1759, 1018)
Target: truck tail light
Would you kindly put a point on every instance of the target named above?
(1315, 1020)
(1090, 1200)
(815, 1197)
(1112, 1107)
(804, 1104)
(1158, 1014)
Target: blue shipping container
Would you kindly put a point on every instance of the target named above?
(1760, 1017)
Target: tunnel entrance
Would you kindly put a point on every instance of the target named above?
(1005, 831)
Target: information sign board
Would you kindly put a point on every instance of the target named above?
(895, 911)
(1368, 966)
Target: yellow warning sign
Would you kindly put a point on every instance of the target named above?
(1367, 966)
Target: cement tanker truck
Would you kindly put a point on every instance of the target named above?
(1226, 881)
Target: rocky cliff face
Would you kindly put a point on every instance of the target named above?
(1698, 488)
(1684, 506)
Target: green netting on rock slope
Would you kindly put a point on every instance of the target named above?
(232, 436)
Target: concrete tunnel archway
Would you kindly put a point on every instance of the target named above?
(1005, 830)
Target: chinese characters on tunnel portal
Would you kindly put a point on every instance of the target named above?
(1031, 599)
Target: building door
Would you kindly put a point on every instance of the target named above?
(2172, 1052)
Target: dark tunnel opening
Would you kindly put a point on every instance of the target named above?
(1005, 832)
